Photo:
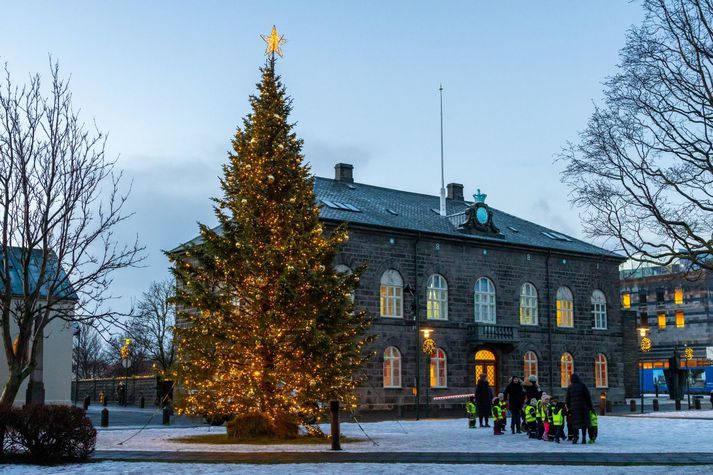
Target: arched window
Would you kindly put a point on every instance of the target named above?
(392, 294)
(601, 371)
(437, 298)
(484, 299)
(565, 308)
(485, 363)
(599, 310)
(566, 369)
(530, 359)
(438, 369)
(528, 304)
(392, 367)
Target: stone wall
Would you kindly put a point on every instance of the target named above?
(150, 387)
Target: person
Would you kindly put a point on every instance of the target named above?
(579, 402)
(515, 397)
(472, 411)
(544, 430)
(711, 399)
(557, 419)
(504, 409)
(531, 418)
(498, 417)
(532, 389)
(483, 396)
(593, 426)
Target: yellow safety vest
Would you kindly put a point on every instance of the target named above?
(470, 408)
(530, 413)
(557, 416)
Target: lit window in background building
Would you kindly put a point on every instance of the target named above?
(662, 320)
(678, 296)
(680, 319)
(626, 300)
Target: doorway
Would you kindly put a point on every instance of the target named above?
(485, 362)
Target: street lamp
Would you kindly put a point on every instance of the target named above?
(429, 348)
(688, 354)
(126, 363)
(417, 320)
(645, 347)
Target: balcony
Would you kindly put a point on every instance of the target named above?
(489, 333)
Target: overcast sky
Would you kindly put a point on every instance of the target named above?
(169, 81)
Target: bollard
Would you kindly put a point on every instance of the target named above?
(85, 405)
(334, 407)
(142, 402)
(602, 403)
(166, 416)
(697, 403)
(105, 417)
(655, 404)
(632, 405)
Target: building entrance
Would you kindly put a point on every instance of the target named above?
(485, 363)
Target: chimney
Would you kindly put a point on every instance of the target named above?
(455, 191)
(343, 172)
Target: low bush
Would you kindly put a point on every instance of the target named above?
(47, 433)
(246, 426)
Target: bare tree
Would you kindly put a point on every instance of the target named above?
(642, 172)
(89, 357)
(60, 203)
(153, 326)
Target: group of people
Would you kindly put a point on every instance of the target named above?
(534, 412)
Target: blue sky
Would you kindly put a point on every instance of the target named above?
(169, 81)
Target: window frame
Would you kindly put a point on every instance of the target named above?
(661, 318)
(566, 363)
(599, 310)
(678, 296)
(601, 371)
(391, 295)
(529, 302)
(528, 364)
(485, 302)
(392, 361)
(680, 319)
(438, 367)
(437, 297)
(564, 310)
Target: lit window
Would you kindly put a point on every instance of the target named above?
(438, 369)
(601, 375)
(678, 296)
(392, 368)
(528, 304)
(566, 369)
(484, 299)
(437, 298)
(565, 308)
(485, 364)
(599, 310)
(662, 320)
(530, 364)
(680, 319)
(626, 300)
(392, 294)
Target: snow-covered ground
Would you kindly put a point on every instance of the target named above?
(703, 414)
(616, 434)
(341, 469)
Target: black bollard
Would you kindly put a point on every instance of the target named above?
(105, 417)
(142, 402)
(655, 404)
(166, 416)
(334, 407)
(85, 405)
(632, 405)
(697, 403)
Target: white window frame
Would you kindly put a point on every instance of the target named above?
(601, 371)
(391, 295)
(484, 301)
(566, 367)
(528, 304)
(530, 361)
(599, 310)
(437, 298)
(391, 373)
(439, 367)
(565, 308)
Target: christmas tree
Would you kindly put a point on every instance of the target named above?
(266, 324)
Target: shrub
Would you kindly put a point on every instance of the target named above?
(246, 426)
(286, 428)
(48, 433)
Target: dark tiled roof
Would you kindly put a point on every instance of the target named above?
(414, 212)
(64, 291)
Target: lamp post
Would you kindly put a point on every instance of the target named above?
(645, 347)
(126, 363)
(429, 347)
(414, 309)
(688, 354)
(76, 334)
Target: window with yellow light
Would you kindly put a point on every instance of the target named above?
(662, 320)
(626, 300)
(680, 319)
(678, 296)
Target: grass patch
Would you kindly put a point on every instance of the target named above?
(223, 439)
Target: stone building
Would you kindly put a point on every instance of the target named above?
(499, 295)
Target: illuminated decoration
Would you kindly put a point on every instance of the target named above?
(688, 352)
(626, 300)
(296, 341)
(645, 344)
(429, 346)
(274, 43)
(124, 350)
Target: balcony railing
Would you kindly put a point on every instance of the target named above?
(490, 333)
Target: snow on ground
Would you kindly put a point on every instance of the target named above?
(616, 434)
(141, 468)
(703, 414)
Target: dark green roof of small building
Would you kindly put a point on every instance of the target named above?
(55, 276)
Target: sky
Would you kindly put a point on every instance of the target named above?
(169, 82)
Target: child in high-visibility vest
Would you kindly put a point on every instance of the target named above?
(498, 417)
(557, 417)
(593, 426)
(543, 426)
(472, 411)
(531, 418)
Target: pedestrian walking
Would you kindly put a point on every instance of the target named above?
(579, 403)
(515, 397)
(483, 398)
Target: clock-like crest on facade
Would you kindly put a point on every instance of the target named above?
(479, 216)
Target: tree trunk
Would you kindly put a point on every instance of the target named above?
(11, 388)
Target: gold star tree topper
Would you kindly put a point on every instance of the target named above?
(274, 43)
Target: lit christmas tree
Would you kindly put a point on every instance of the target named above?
(266, 324)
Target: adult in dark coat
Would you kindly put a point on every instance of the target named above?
(579, 403)
(532, 389)
(483, 398)
(515, 397)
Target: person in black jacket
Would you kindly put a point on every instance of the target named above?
(579, 403)
(483, 398)
(532, 389)
(515, 396)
